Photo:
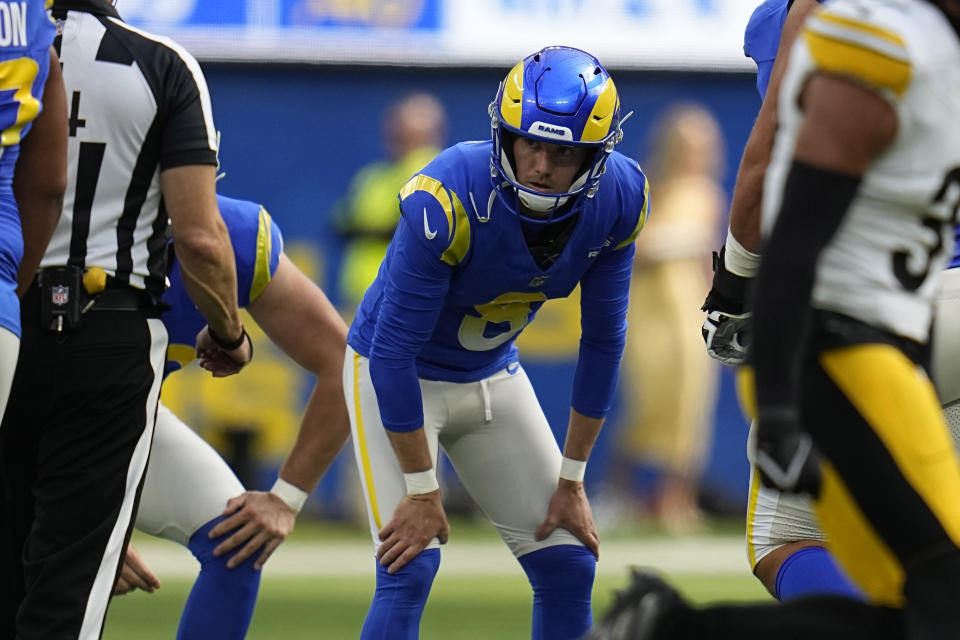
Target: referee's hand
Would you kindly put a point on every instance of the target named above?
(135, 574)
(219, 361)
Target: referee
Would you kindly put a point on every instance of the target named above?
(77, 432)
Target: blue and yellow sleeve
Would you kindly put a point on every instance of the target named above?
(257, 245)
(436, 217)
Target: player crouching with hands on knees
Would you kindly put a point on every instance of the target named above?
(490, 230)
(190, 495)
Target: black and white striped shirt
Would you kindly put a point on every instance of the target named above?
(138, 104)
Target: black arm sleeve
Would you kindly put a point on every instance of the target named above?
(814, 204)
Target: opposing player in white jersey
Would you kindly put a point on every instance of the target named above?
(786, 546)
(861, 198)
(190, 495)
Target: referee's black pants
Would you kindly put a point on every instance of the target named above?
(74, 444)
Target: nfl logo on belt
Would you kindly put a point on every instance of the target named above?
(59, 295)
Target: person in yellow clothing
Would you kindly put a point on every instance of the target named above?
(672, 383)
(414, 131)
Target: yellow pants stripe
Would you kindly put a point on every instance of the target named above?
(362, 443)
(899, 402)
(863, 554)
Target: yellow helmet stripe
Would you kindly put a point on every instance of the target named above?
(511, 106)
(601, 116)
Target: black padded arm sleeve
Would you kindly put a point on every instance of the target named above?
(814, 204)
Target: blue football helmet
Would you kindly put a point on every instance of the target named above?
(557, 95)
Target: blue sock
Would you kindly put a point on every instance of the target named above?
(221, 602)
(813, 571)
(400, 598)
(562, 581)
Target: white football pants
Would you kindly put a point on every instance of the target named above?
(188, 484)
(494, 433)
(9, 351)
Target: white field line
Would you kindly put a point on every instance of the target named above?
(345, 558)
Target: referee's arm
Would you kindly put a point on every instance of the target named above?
(203, 245)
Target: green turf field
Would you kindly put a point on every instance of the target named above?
(462, 606)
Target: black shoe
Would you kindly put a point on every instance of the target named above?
(638, 610)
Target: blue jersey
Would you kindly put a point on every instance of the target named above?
(761, 40)
(257, 245)
(26, 33)
(459, 284)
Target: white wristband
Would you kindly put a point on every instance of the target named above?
(572, 470)
(292, 496)
(421, 482)
(738, 260)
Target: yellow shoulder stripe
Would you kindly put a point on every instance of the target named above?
(458, 226)
(869, 65)
(261, 269)
(511, 106)
(863, 27)
(867, 52)
(643, 216)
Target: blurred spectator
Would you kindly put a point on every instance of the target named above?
(414, 130)
(671, 382)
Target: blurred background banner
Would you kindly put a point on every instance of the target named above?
(701, 34)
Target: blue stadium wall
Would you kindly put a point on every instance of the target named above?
(293, 136)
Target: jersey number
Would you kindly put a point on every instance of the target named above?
(18, 75)
(947, 204)
(499, 321)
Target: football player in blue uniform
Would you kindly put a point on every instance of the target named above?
(491, 230)
(190, 495)
(33, 168)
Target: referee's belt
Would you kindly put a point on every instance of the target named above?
(121, 298)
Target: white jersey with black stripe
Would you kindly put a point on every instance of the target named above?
(138, 104)
(883, 264)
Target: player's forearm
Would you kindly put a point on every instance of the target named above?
(203, 246)
(582, 432)
(210, 278)
(745, 207)
(411, 450)
(41, 175)
(324, 431)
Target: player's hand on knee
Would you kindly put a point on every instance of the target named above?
(417, 520)
(569, 509)
(259, 520)
(135, 574)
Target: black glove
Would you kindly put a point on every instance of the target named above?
(784, 453)
(726, 330)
